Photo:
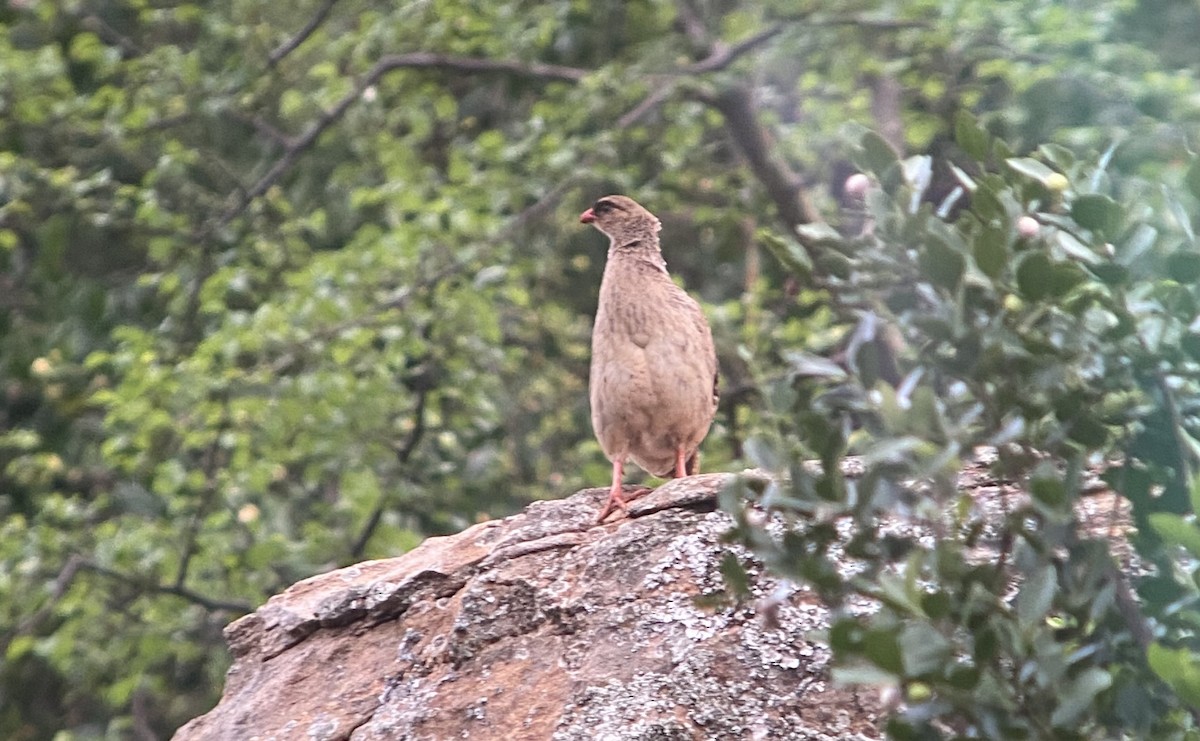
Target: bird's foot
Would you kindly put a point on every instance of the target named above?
(618, 500)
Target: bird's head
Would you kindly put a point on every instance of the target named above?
(622, 219)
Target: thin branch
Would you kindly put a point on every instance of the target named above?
(693, 26)
(416, 60)
(302, 35)
(97, 25)
(404, 453)
(722, 56)
(213, 461)
(874, 24)
(176, 590)
(262, 127)
(433, 60)
(62, 583)
(784, 186)
(649, 103)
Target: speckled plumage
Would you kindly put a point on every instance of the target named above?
(653, 383)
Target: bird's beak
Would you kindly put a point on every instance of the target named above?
(587, 217)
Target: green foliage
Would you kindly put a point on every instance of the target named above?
(1064, 350)
(277, 300)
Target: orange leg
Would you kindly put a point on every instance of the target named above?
(681, 468)
(615, 500)
(693, 464)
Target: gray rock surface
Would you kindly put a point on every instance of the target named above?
(540, 626)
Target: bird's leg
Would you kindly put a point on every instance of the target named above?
(615, 500)
(681, 467)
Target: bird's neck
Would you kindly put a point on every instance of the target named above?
(643, 243)
(637, 248)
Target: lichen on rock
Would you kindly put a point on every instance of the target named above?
(542, 626)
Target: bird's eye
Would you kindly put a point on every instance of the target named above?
(602, 207)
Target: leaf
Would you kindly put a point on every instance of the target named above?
(1058, 155)
(763, 453)
(1036, 595)
(877, 154)
(819, 233)
(991, 251)
(1179, 669)
(1074, 248)
(1033, 276)
(923, 649)
(1099, 213)
(490, 275)
(791, 255)
(918, 171)
(881, 647)
(808, 364)
(1030, 168)
(1192, 178)
(1177, 531)
(1183, 265)
(1078, 695)
(963, 178)
(1179, 212)
(1039, 277)
(943, 265)
(969, 135)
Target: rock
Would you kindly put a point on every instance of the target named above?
(541, 626)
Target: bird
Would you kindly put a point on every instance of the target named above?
(653, 385)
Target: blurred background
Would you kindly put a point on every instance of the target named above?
(287, 286)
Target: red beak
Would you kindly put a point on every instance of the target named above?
(587, 217)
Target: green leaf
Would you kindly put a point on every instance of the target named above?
(1099, 213)
(1030, 168)
(991, 251)
(808, 364)
(881, 647)
(923, 649)
(1179, 669)
(790, 254)
(877, 154)
(971, 137)
(1177, 531)
(819, 233)
(943, 265)
(1183, 265)
(1033, 276)
(763, 453)
(1179, 212)
(1192, 178)
(1078, 695)
(1036, 595)
(1039, 277)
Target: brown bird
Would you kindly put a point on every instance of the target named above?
(654, 369)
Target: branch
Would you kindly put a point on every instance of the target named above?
(722, 56)
(433, 60)
(886, 109)
(783, 186)
(403, 455)
(62, 582)
(416, 60)
(176, 590)
(291, 44)
(874, 24)
(693, 26)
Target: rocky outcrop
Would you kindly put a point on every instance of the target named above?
(540, 626)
